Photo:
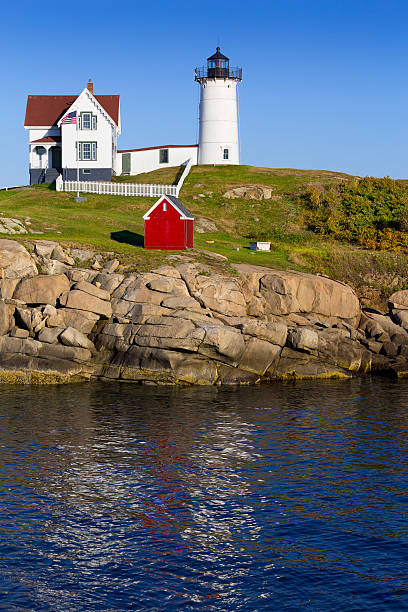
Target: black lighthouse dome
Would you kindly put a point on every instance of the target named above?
(218, 65)
(217, 68)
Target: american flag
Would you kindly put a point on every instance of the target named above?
(70, 118)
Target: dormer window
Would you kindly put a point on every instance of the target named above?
(87, 121)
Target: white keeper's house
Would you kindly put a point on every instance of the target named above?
(76, 136)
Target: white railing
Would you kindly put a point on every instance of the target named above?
(184, 175)
(124, 189)
(121, 189)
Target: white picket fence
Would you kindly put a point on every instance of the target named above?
(123, 189)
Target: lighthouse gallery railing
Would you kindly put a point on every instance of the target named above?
(204, 72)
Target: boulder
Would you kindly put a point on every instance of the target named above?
(185, 302)
(289, 368)
(81, 300)
(60, 351)
(72, 337)
(190, 344)
(222, 343)
(228, 375)
(372, 345)
(19, 333)
(54, 317)
(343, 352)
(42, 289)
(221, 294)
(7, 287)
(387, 325)
(15, 260)
(50, 335)
(53, 267)
(374, 330)
(400, 317)
(81, 320)
(399, 300)
(390, 349)
(276, 333)
(26, 346)
(92, 290)
(77, 275)
(12, 226)
(82, 254)
(250, 192)
(60, 255)
(202, 225)
(124, 287)
(6, 318)
(168, 284)
(111, 266)
(288, 292)
(259, 355)
(28, 318)
(147, 364)
(167, 271)
(303, 339)
(108, 282)
(166, 327)
(44, 248)
(26, 369)
(139, 313)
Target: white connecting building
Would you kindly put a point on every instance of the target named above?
(75, 137)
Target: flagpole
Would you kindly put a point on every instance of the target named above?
(77, 152)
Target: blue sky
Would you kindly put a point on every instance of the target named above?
(324, 82)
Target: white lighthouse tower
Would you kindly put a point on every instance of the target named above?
(218, 136)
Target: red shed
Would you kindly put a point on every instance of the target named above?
(168, 225)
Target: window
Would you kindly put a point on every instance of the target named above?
(87, 121)
(86, 172)
(164, 206)
(164, 156)
(87, 151)
(226, 153)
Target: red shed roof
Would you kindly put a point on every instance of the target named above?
(185, 214)
(48, 110)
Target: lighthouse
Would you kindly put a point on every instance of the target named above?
(218, 116)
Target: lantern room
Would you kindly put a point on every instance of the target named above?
(218, 65)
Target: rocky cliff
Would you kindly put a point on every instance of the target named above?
(184, 324)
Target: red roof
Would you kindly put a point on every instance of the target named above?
(47, 139)
(163, 147)
(48, 110)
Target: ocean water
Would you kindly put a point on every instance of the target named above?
(281, 497)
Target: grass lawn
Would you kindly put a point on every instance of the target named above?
(115, 223)
(164, 176)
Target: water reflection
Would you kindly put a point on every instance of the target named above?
(117, 497)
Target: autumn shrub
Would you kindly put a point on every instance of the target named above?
(371, 212)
